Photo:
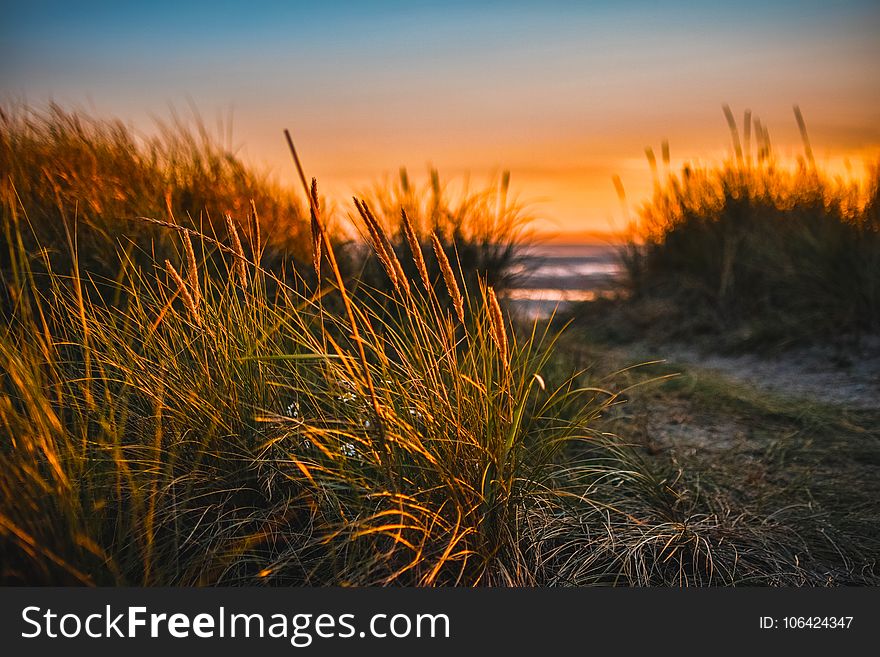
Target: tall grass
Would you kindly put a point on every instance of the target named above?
(483, 230)
(201, 432)
(64, 168)
(200, 418)
(766, 254)
(72, 174)
(212, 435)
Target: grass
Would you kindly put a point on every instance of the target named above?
(753, 255)
(483, 230)
(749, 255)
(62, 167)
(184, 412)
(238, 439)
(72, 174)
(793, 477)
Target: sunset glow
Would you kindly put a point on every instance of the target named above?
(563, 98)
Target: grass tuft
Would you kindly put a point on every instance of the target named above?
(756, 255)
(287, 429)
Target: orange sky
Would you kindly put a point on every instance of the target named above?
(562, 94)
(566, 185)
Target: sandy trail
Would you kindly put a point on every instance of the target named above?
(851, 381)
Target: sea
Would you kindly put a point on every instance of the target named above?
(554, 276)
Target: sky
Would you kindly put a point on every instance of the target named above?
(564, 95)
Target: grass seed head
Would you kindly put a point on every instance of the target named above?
(316, 229)
(382, 247)
(240, 260)
(256, 238)
(496, 324)
(192, 271)
(448, 277)
(188, 300)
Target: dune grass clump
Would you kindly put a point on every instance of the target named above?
(202, 418)
(206, 431)
(203, 432)
(482, 230)
(64, 168)
(763, 254)
(72, 174)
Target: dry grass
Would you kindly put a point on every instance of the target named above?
(64, 168)
(763, 255)
(236, 425)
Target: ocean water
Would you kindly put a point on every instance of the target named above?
(555, 276)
